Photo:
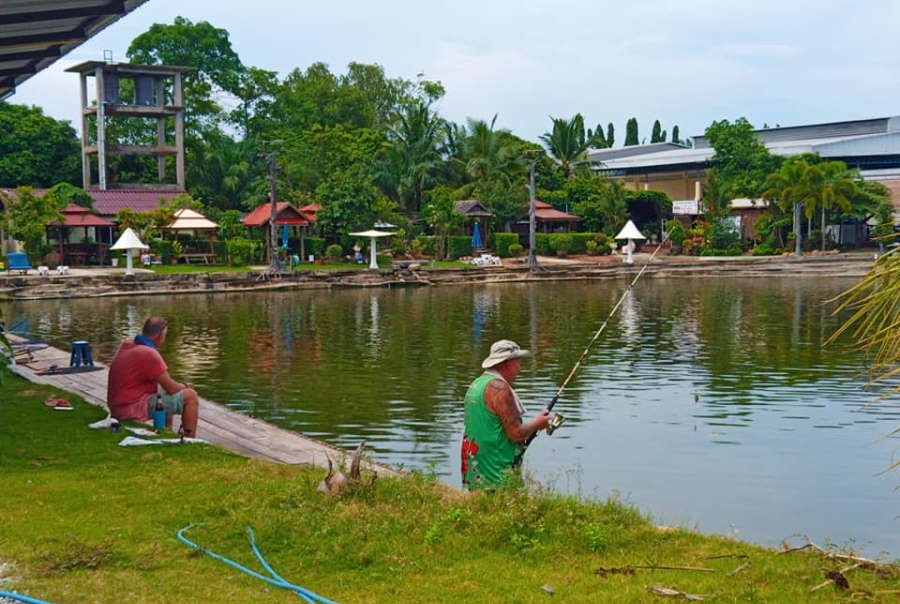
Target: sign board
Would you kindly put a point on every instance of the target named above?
(689, 207)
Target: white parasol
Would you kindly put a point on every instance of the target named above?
(129, 242)
(372, 235)
(629, 232)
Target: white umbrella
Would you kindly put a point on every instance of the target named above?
(629, 232)
(372, 235)
(128, 241)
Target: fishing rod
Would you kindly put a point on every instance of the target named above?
(556, 420)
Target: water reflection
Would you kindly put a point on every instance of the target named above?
(701, 398)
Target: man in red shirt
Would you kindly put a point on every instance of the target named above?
(139, 379)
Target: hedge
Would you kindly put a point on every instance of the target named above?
(546, 243)
(501, 242)
(460, 246)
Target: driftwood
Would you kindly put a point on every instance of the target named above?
(740, 568)
(722, 556)
(837, 577)
(865, 562)
(674, 593)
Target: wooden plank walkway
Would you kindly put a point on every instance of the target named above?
(218, 424)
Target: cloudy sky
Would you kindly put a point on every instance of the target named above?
(684, 62)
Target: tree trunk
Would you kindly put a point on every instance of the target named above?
(823, 228)
(798, 236)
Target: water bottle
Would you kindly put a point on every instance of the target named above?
(159, 416)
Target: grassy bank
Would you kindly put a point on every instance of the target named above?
(86, 521)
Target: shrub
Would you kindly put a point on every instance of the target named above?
(675, 231)
(333, 252)
(162, 249)
(543, 244)
(723, 234)
(763, 249)
(562, 243)
(458, 247)
(515, 250)
(398, 243)
(241, 251)
(579, 242)
(315, 246)
(591, 248)
(502, 241)
(428, 244)
(415, 247)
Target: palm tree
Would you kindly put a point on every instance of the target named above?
(830, 184)
(226, 173)
(788, 189)
(484, 150)
(411, 154)
(567, 142)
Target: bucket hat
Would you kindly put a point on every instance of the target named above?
(503, 350)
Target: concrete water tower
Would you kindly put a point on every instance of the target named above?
(158, 95)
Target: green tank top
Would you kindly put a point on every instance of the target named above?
(487, 453)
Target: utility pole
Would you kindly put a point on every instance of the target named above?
(532, 239)
(274, 261)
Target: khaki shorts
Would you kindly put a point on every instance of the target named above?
(174, 403)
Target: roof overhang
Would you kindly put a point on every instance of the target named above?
(35, 33)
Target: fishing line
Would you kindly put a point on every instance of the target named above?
(557, 420)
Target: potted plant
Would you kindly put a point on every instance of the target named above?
(563, 245)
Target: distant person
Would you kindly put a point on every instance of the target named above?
(139, 379)
(358, 255)
(494, 433)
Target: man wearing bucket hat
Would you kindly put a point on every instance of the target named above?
(494, 433)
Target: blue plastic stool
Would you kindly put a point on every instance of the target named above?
(81, 354)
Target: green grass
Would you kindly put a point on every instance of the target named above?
(86, 521)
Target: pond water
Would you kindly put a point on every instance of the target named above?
(709, 403)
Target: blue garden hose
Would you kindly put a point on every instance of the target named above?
(275, 579)
(21, 598)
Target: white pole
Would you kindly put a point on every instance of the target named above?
(629, 259)
(373, 263)
(129, 267)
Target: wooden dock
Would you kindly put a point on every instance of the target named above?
(218, 424)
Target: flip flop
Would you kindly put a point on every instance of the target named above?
(58, 403)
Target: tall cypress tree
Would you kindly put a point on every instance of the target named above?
(631, 132)
(675, 134)
(596, 138)
(656, 133)
(610, 135)
(664, 136)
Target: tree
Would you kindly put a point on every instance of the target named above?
(36, 150)
(62, 194)
(610, 135)
(601, 202)
(656, 136)
(27, 216)
(631, 132)
(675, 134)
(484, 150)
(596, 138)
(567, 142)
(227, 174)
(743, 163)
(410, 156)
(349, 202)
(830, 184)
(217, 68)
(441, 215)
(786, 187)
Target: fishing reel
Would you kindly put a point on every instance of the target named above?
(556, 420)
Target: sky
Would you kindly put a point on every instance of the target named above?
(685, 62)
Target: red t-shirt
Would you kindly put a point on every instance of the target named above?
(133, 378)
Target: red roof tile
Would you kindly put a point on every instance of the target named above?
(76, 216)
(110, 201)
(285, 214)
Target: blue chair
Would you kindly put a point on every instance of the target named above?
(81, 354)
(17, 261)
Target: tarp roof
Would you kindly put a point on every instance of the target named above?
(35, 33)
(77, 216)
(285, 213)
(187, 219)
